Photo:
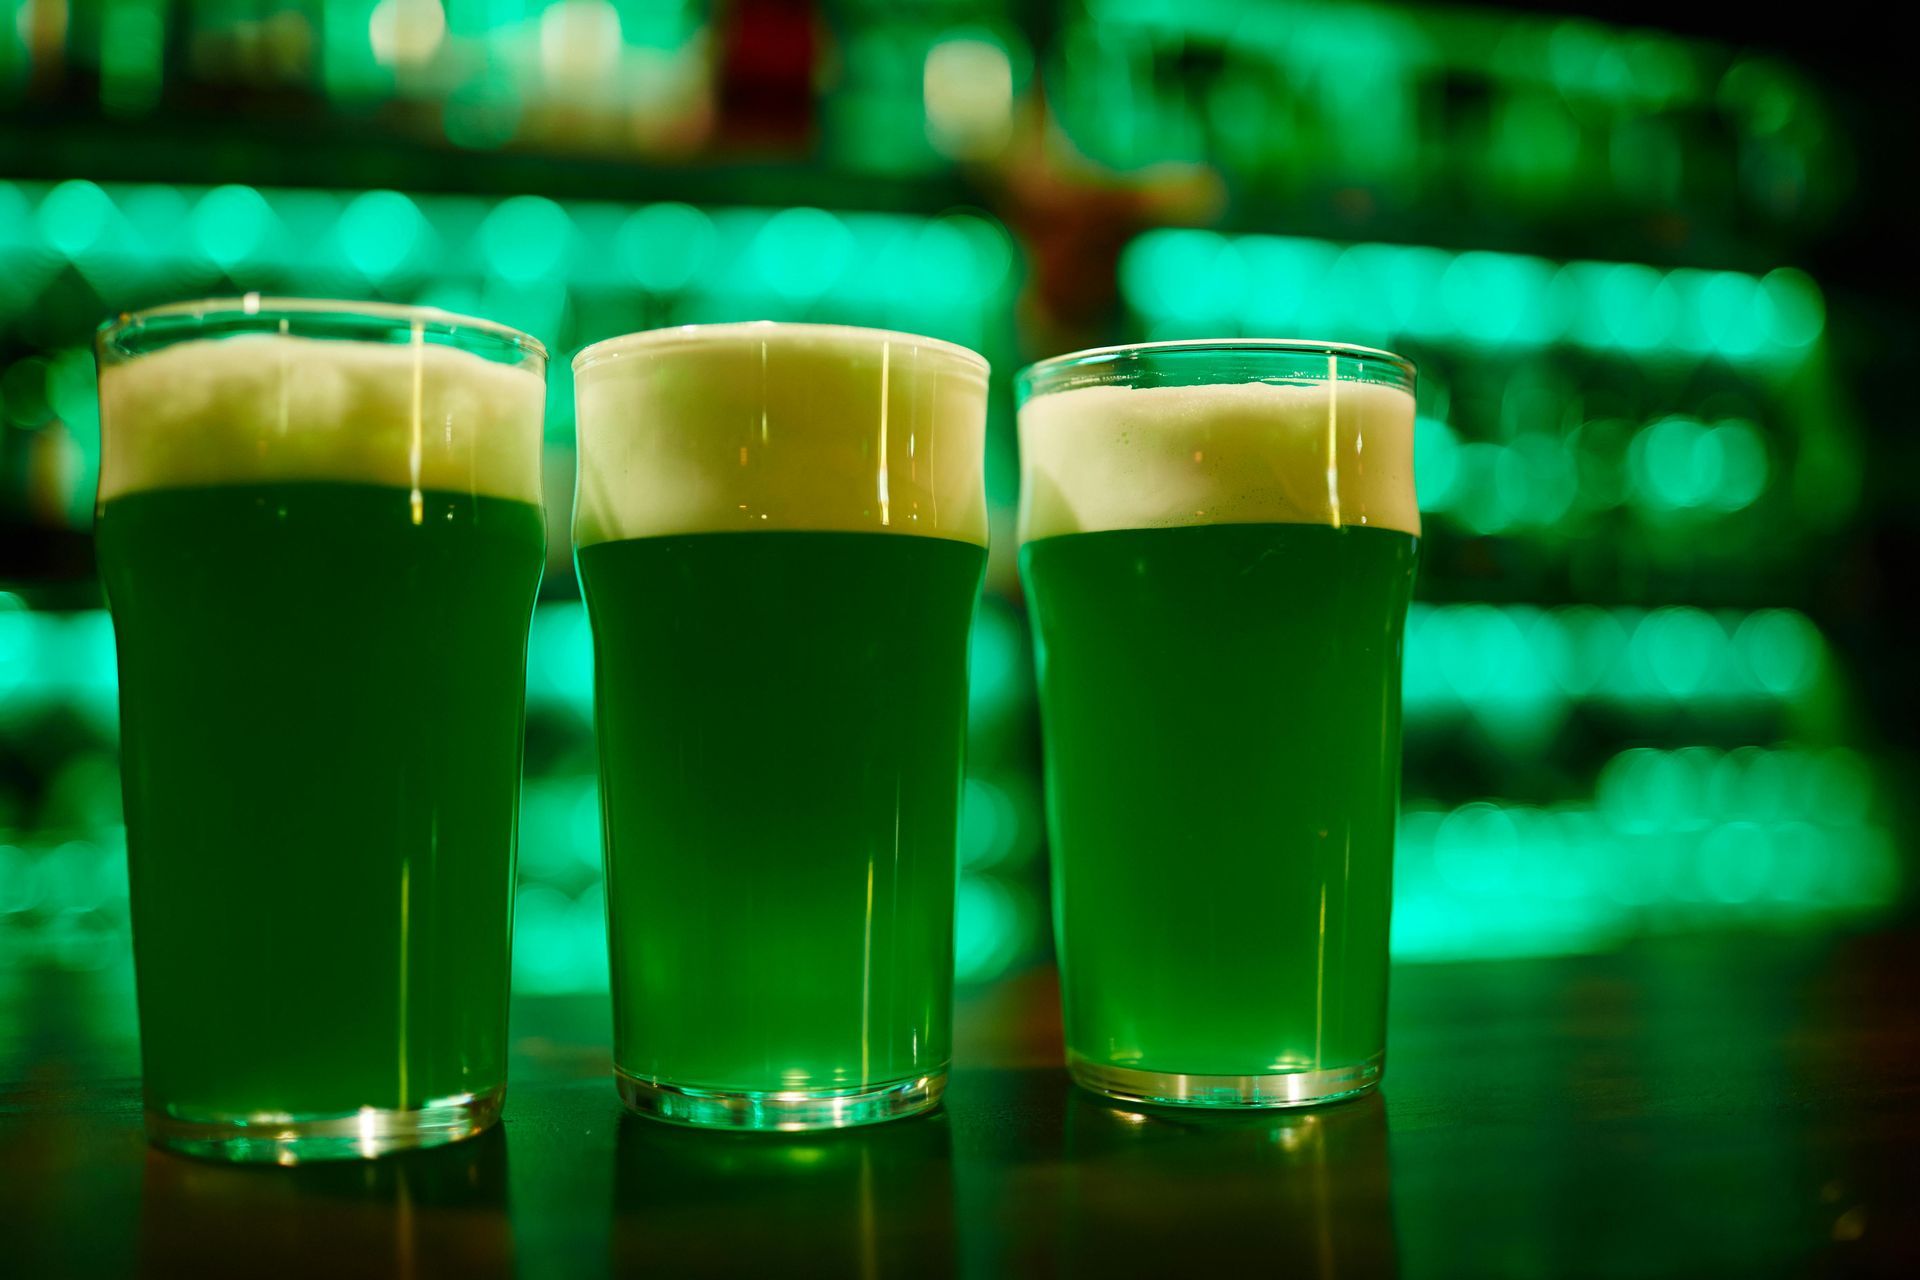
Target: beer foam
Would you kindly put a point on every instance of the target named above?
(1329, 453)
(729, 428)
(261, 407)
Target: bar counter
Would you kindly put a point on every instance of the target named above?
(1741, 1106)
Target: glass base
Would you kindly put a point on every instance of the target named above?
(1178, 1089)
(281, 1138)
(782, 1110)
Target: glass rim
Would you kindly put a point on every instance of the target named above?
(1052, 365)
(694, 334)
(111, 335)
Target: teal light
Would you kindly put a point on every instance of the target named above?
(1690, 330)
(230, 224)
(991, 249)
(74, 217)
(18, 641)
(1410, 281)
(1475, 658)
(990, 824)
(1693, 788)
(1736, 312)
(1350, 299)
(1781, 648)
(1224, 286)
(73, 396)
(665, 246)
(560, 656)
(161, 218)
(1489, 489)
(1639, 309)
(1761, 781)
(1592, 640)
(1173, 275)
(989, 927)
(1187, 282)
(380, 232)
(802, 253)
(946, 275)
(1799, 313)
(1474, 846)
(1436, 462)
(1787, 836)
(1736, 862)
(997, 656)
(1672, 839)
(1677, 651)
(1141, 272)
(1677, 462)
(891, 277)
(1516, 667)
(481, 18)
(941, 270)
(560, 829)
(1498, 298)
(526, 239)
(1286, 278)
(1479, 650)
(559, 941)
(1534, 479)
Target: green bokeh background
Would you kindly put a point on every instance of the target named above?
(1636, 699)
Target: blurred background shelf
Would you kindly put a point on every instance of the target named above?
(1649, 689)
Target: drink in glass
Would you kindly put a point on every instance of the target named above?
(320, 533)
(781, 533)
(1218, 545)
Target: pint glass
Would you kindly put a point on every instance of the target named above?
(319, 529)
(781, 531)
(1218, 545)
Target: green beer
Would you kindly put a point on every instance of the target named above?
(1219, 552)
(780, 614)
(321, 556)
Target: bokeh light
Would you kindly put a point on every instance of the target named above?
(1267, 284)
(380, 232)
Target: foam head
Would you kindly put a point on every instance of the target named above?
(777, 427)
(1336, 452)
(262, 407)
